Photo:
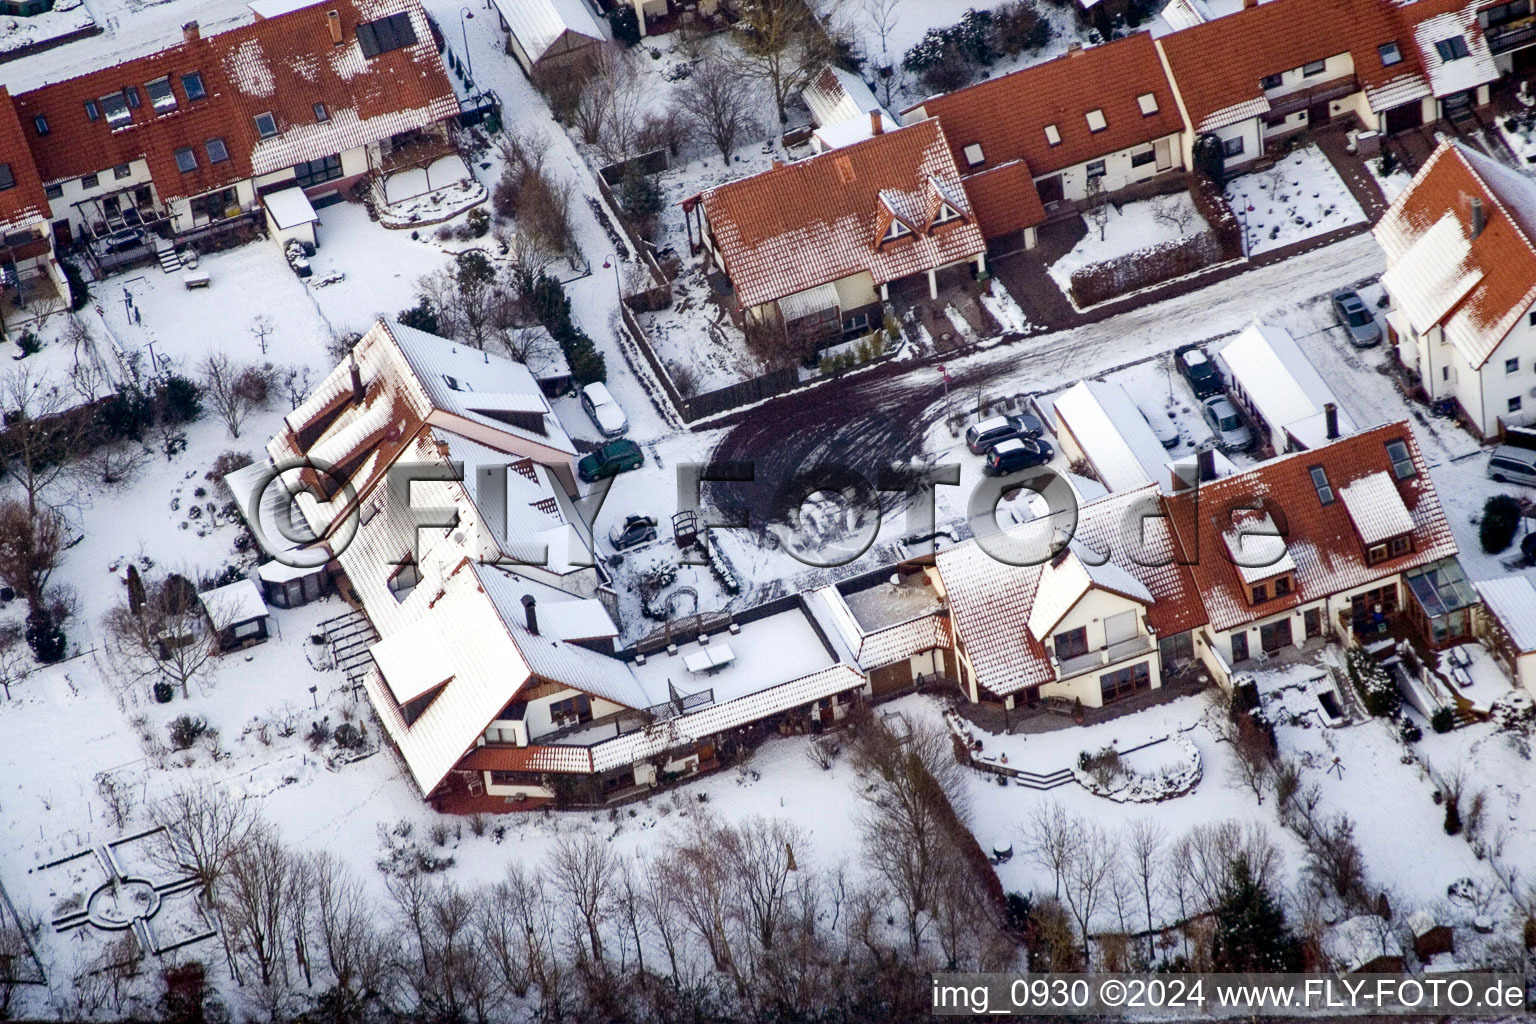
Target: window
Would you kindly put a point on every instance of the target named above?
(1232, 147)
(1531, 318)
(404, 581)
(1142, 159)
(1389, 54)
(1148, 104)
(13, 238)
(1271, 81)
(1095, 169)
(1053, 137)
(160, 95)
(1512, 365)
(947, 213)
(1402, 545)
(217, 151)
(131, 94)
(1402, 462)
(895, 231)
(1503, 14)
(1312, 68)
(116, 110)
(385, 34)
(1312, 622)
(1071, 644)
(40, 123)
(53, 191)
(90, 181)
(1260, 593)
(7, 177)
(1275, 635)
(1376, 553)
(1119, 683)
(1514, 404)
(247, 629)
(571, 710)
(266, 125)
(122, 171)
(1096, 122)
(1451, 49)
(192, 85)
(1320, 481)
(186, 160)
(856, 323)
(321, 114)
(93, 113)
(1282, 586)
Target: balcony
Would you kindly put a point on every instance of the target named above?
(1290, 102)
(1111, 654)
(1503, 38)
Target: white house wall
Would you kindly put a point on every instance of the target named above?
(1118, 171)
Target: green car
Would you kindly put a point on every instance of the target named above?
(612, 458)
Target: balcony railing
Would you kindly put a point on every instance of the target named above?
(1109, 655)
(1503, 38)
(1290, 102)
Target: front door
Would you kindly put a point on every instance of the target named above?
(1275, 635)
(1050, 190)
(62, 236)
(1318, 115)
(1164, 150)
(1239, 647)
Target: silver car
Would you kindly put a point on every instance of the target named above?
(1231, 432)
(1513, 465)
(1356, 319)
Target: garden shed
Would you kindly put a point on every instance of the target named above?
(236, 614)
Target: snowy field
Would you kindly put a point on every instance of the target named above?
(1128, 228)
(1301, 197)
(66, 17)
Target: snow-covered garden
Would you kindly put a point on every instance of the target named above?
(1300, 197)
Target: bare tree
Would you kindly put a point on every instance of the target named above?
(719, 103)
(881, 18)
(261, 330)
(15, 662)
(784, 45)
(201, 829)
(86, 375)
(583, 869)
(252, 903)
(168, 636)
(1051, 838)
(345, 917)
(1143, 848)
(39, 437)
(31, 541)
(1088, 875)
(1174, 212)
(1096, 205)
(234, 390)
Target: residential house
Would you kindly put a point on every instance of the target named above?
(895, 626)
(552, 37)
(1286, 400)
(189, 137)
(843, 109)
(813, 247)
(1461, 273)
(1276, 68)
(1044, 138)
(28, 266)
(1508, 623)
(1509, 26)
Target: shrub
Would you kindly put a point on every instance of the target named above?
(1377, 690)
(348, 736)
(124, 415)
(29, 343)
(1100, 282)
(318, 733)
(45, 636)
(227, 463)
(1452, 816)
(625, 25)
(185, 729)
(163, 692)
(79, 291)
(1443, 720)
(478, 221)
(178, 399)
(422, 316)
(1501, 517)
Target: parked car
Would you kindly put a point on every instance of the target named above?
(612, 458)
(1513, 465)
(603, 410)
(984, 435)
(633, 530)
(1200, 372)
(1356, 319)
(1163, 427)
(1016, 454)
(1231, 432)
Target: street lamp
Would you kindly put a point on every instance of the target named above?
(469, 62)
(612, 260)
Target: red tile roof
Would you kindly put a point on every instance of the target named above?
(26, 200)
(1320, 539)
(821, 219)
(1005, 199)
(1497, 269)
(1008, 115)
(282, 65)
(1218, 65)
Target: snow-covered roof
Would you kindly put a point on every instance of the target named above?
(537, 24)
(846, 133)
(1476, 67)
(414, 660)
(881, 625)
(1421, 923)
(230, 605)
(273, 8)
(1181, 14)
(1281, 383)
(1255, 545)
(835, 95)
(809, 302)
(1512, 600)
(1376, 508)
(1113, 434)
(1354, 943)
(1433, 275)
(289, 208)
(768, 652)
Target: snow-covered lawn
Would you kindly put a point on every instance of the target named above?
(1519, 130)
(1129, 228)
(1300, 197)
(66, 17)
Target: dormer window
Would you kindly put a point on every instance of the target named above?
(947, 213)
(895, 231)
(455, 384)
(1320, 482)
(1096, 122)
(192, 85)
(1052, 136)
(161, 97)
(404, 580)
(1451, 49)
(115, 107)
(973, 155)
(1148, 104)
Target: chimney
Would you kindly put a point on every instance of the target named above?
(533, 617)
(1205, 465)
(876, 122)
(777, 163)
(1479, 218)
(1331, 417)
(1250, 3)
(333, 22)
(1075, 47)
(358, 392)
(190, 32)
